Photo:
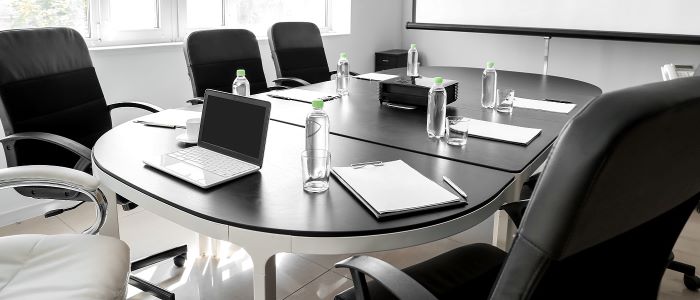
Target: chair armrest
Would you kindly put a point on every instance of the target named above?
(195, 100)
(68, 144)
(278, 87)
(290, 81)
(58, 177)
(397, 282)
(135, 104)
(51, 174)
(516, 210)
(331, 73)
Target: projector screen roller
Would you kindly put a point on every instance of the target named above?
(627, 19)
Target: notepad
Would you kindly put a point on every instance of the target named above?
(176, 117)
(557, 107)
(499, 132)
(301, 95)
(375, 76)
(394, 188)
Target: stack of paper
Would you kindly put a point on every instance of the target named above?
(552, 106)
(500, 132)
(394, 188)
(175, 117)
(375, 76)
(301, 95)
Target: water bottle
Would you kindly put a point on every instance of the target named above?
(241, 86)
(488, 86)
(412, 69)
(343, 75)
(317, 127)
(437, 109)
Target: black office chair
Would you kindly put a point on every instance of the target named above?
(619, 186)
(297, 50)
(53, 111)
(213, 56)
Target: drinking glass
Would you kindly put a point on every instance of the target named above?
(316, 167)
(457, 130)
(504, 101)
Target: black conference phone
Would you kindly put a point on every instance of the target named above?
(411, 92)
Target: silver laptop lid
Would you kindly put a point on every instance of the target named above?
(235, 126)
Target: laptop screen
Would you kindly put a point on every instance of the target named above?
(235, 124)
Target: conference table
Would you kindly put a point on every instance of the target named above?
(360, 116)
(268, 212)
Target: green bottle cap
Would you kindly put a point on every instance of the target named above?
(317, 103)
(413, 46)
(438, 80)
(343, 55)
(240, 73)
(490, 64)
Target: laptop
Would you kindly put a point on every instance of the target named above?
(231, 142)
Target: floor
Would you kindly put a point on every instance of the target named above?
(229, 275)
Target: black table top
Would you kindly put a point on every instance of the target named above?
(360, 116)
(273, 199)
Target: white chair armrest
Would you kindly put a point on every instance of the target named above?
(45, 173)
(59, 177)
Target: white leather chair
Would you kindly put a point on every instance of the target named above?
(66, 266)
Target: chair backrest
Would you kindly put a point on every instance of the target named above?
(213, 56)
(297, 50)
(48, 84)
(619, 185)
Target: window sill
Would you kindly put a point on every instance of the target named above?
(176, 44)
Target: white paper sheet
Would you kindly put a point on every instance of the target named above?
(301, 95)
(557, 107)
(499, 132)
(395, 187)
(375, 76)
(176, 117)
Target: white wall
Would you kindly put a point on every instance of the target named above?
(610, 65)
(158, 75)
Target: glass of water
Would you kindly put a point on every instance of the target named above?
(504, 101)
(457, 130)
(316, 167)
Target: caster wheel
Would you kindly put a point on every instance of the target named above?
(691, 282)
(180, 260)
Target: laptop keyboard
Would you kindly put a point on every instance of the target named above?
(212, 161)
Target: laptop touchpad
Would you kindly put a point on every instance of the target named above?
(187, 170)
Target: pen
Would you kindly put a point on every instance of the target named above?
(153, 124)
(558, 101)
(454, 186)
(373, 163)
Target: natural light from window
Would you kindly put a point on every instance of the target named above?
(44, 13)
(134, 14)
(124, 22)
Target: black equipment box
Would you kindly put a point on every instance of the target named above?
(413, 91)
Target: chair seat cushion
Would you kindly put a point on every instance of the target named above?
(71, 266)
(467, 272)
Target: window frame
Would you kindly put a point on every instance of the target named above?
(162, 33)
(172, 21)
(172, 24)
(184, 30)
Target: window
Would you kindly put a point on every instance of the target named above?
(254, 15)
(121, 22)
(43, 13)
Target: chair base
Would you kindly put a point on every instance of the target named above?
(179, 255)
(691, 281)
(125, 203)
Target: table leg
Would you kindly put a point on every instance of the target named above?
(264, 276)
(504, 229)
(111, 226)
